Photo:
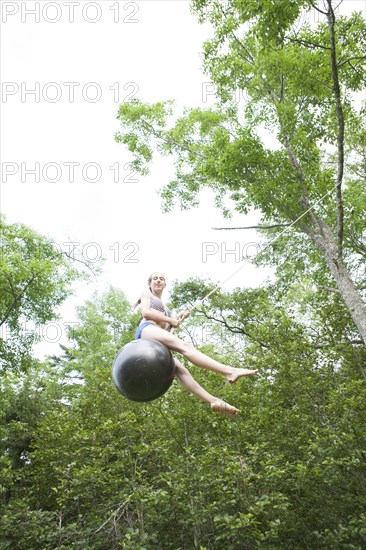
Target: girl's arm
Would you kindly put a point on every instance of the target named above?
(153, 314)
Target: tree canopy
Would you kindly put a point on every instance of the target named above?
(35, 278)
(301, 82)
(81, 466)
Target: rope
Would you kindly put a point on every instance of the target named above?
(221, 283)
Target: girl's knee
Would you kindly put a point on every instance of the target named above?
(179, 368)
(187, 347)
(177, 362)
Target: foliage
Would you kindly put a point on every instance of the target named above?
(103, 473)
(35, 278)
(289, 147)
(82, 467)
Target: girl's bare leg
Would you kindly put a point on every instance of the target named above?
(196, 357)
(187, 380)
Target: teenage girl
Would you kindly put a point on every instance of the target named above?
(156, 324)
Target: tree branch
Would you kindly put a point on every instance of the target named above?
(234, 330)
(318, 9)
(306, 43)
(359, 58)
(298, 171)
(17, 297)
(274, 226)
(356, 71)
(328, 288)
(114, 514)
(170, 141)
(340, 136)
(250, 58)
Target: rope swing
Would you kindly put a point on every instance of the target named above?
(145, 368)
(222, 283)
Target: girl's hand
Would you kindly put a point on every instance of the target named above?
(183, 315)
(173, 322)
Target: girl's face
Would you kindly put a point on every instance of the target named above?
(157, 281)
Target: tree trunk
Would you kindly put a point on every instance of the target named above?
(326, 243)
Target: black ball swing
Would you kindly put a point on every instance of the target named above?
(143, 370)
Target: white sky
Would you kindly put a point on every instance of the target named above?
(147, 49)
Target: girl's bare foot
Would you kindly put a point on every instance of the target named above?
(238, 373)
(221, 406)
